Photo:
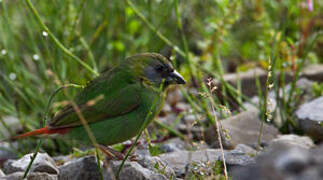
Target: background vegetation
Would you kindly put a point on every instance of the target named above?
(203, 38)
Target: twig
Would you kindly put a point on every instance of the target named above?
(220, 142)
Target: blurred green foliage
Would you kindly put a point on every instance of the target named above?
(317, 89)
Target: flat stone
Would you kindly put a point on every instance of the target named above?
(242, 128)
(180, 160)
(174, 96)
(248, 80)
(157, 165)
(245, 149)
(166, 108)
(11, 122)
(171, 145)
(313, 72)
(317, 155)
(134, 171)
(282, 162)
(31, 176)
(1, 173)
(168, 119)
(7, 151)
(181, 106)
(42, 163)
(293, 140)
(310, 117)
(84, 168)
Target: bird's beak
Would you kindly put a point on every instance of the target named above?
(175, 78)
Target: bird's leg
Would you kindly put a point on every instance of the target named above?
(113, 154)
(161, 140)
(127, 146)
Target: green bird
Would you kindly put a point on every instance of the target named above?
(115, 104)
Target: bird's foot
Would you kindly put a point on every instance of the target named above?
(133, 157)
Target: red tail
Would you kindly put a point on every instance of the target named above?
(40, 131)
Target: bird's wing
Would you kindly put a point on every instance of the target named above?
(99, 101)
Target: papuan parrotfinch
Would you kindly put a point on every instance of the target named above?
(127, 93)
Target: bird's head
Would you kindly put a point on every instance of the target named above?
(152, 69)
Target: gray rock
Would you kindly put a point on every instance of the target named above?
(242, 128)
(42, 163)
(11, 122)
(306, 94)
(166, 108)
(284, 162)
(82, 168)
(180, 160)
(168, 119)
(31, 176)
(174, 144)
(61, 159)
(248, 85)
(177, 144)
(174, 96)
(1, 174)
(7, 151)
(245, 149)
(313, 72)
(310, 117)
(157, 165)
(192, 131)
(290, 160)
(191, 118)
(293, 140)
(305, 86)
(85, 168)
(248, 80)
(181, 106)
(134, 171)
(317, 155)
(153, 163)
(167, 148)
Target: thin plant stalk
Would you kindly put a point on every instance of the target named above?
(89, 133)
(217, 130)
(142, 128)
(180, 27)
(75, 21)
(40, 142)
(267, 113)
(171, 130)
(154, 29)
(56, 41)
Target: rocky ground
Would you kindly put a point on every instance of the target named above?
(287, 156)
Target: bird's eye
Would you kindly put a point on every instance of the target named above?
(159, 68)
